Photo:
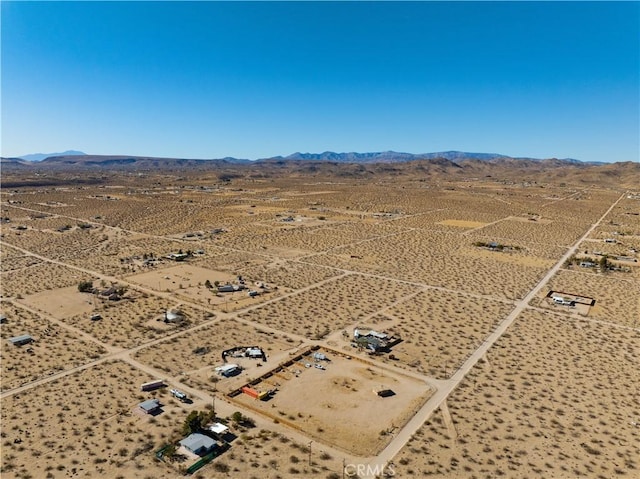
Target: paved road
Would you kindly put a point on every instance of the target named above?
(405, 434)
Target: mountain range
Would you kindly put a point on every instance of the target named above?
(42, 156)
(79, 158)
(395, 157)
(382, 166)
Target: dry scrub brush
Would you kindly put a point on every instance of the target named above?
(85, 423)
(437, 259)
(40, 277)
(316, 312)
(131, 322)
(440, 330)
(557, 400)
(617, 296)
(54, 349)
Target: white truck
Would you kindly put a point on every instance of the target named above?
(178, 395)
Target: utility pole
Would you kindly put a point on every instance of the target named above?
(213, 405)
(344, 466)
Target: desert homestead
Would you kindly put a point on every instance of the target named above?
(251, 352)
(373, 341)
(198, 444)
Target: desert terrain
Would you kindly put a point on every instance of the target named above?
(449, 280)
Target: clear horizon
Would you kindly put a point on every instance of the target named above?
(260, 79)
(303, 152)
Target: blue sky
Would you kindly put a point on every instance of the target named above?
(259, 79)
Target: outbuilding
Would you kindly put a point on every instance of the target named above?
(218, 429)
(21, 340)
(151, 406)
(385, 393)
(173, 316)
(228, 370)
(254, 353)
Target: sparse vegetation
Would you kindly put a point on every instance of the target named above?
(380, 257)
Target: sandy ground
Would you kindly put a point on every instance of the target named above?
(438, 330)
(318, 311)
(554, 398)
(179, 356)
(53, 349)
(348, 412)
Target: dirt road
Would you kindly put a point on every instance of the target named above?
(449, 386)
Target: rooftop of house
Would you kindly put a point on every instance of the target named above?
(197, 443)
(149, 405)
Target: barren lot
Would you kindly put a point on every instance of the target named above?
(317, 312)
(552, 401)
(13, 259)
(439, 259)
(338, 404)
(86, 425)
(53, 350)
(40, 277)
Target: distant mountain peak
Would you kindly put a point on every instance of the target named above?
(390, 156)
(42, 156)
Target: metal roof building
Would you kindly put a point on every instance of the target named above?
(198, 443)
(228, 370)
(20, 340)
(150, 406)
(218, 429)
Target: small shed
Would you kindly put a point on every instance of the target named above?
(21, 340)
(385, 393)
(218, 429)
(254, 352)
(151, 385)
(198, 444)
(173, 316)
(150, 406)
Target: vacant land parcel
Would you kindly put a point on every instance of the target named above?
(554, 403)
(338, 403)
